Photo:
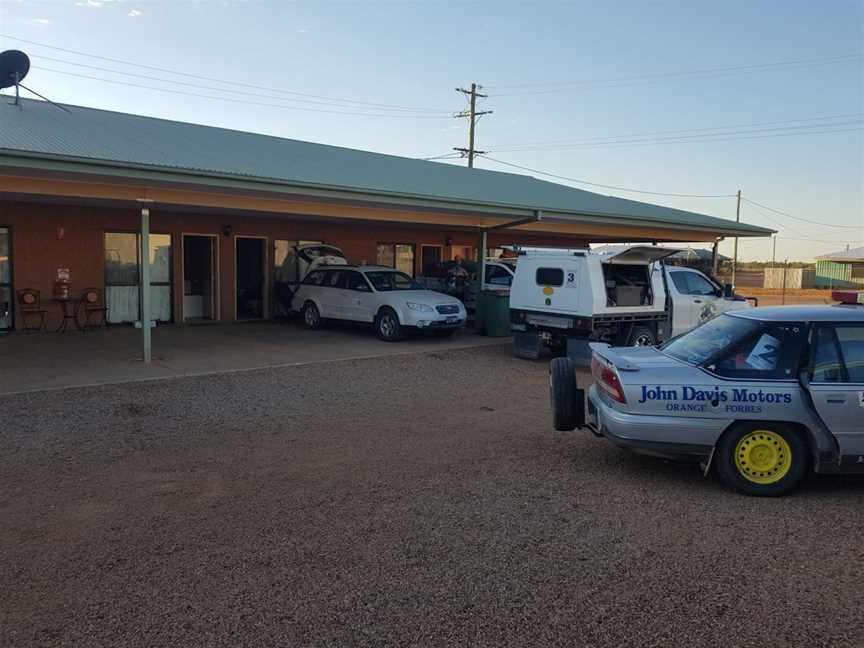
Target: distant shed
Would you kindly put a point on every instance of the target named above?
(844, 269)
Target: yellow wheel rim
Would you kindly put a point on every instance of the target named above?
(763, 457)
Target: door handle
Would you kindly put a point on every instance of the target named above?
(697, 301)
(835, 400)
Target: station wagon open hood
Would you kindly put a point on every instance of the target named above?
(641, 254)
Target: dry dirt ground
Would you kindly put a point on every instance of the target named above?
(411, 500)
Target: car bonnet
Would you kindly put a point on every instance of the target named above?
(429, 297)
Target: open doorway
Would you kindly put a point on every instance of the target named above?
(199, 277)
(251, 274)
(430, 257)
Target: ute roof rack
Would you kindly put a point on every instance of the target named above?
(540, 251)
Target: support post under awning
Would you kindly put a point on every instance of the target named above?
(144, 288)
(714, 257)
(484, 244)
(536, 218)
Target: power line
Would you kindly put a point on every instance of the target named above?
(238, 101)
(443, 156)
(679, 195)
(803, 220)
(699, 139)
(776, 221)
(818, 60)
(605, 186)
(217, 80)
(567, 86)
(206, 87)
(685, 130)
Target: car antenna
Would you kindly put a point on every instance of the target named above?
(14, 66)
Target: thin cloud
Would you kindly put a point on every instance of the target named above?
(95, 4)
(41, 21)
(134, 13)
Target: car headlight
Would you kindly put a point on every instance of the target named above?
(420, 308)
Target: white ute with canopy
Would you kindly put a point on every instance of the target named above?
(628, 297)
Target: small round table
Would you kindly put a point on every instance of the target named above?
(67, 309)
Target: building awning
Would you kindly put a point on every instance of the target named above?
(89, 155)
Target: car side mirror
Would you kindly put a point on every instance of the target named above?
(728, 291)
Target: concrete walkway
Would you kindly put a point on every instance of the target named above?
(33, 362)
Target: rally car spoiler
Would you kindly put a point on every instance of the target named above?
(605, 350)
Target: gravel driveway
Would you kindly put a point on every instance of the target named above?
(412, 500)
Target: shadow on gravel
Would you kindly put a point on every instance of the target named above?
(833, 485)
(669, 474)
(599, 455)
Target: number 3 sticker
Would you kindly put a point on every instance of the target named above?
(571, 279)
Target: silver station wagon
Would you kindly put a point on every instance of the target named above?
(389, 300)
(759, 396)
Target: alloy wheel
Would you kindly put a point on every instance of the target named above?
(386, 325)
(310, 316)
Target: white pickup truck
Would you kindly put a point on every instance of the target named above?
(627, 298)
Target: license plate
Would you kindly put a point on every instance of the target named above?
(452, 320)
(549, 320)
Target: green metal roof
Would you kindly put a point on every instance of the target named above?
(37, 129)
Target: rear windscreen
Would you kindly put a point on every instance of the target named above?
(550, 277)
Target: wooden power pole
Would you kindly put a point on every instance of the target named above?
(472, 114)
(735, 253)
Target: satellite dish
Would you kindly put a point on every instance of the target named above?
(14, 66)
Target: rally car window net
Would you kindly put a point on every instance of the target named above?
(773, 353)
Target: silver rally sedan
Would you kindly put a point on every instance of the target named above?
(759, 396)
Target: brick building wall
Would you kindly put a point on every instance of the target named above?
(48, 236)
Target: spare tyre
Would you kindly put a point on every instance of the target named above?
(568, 401)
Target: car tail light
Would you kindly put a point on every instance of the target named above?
(607, 379)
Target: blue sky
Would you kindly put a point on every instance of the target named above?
(582, 79)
